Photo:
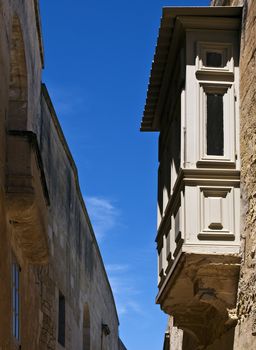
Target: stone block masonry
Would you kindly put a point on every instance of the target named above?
(54, 290)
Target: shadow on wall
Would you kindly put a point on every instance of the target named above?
(17, 109)
(225, 342)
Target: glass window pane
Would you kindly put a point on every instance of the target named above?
(61, 323)
(160, 191)
(215, 133)
(17, 303)
(213, 59)
(13, 273)
(15, 300)
(17, 277)
(13, 323)
(17, 327)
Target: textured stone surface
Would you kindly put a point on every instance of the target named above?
(245, 336)
(245, 330)
(43, 219)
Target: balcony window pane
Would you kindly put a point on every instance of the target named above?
(15, 301)
(161, 262)
(13, 321)
(17, 326)
(215, 134)
(61, 321)
(13, 273)
(160, 191)
(213, 59)
(177, 226)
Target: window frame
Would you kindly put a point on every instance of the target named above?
(225, 49)
(228, 157)
(214, 124)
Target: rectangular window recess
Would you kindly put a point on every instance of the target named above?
(61, 320)
(214, 124)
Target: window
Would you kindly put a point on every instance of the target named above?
(160, 261)
(217, 124)
(214, 125)
(61, 321)
(177, 225)
(213, 59)
(86, 328)
(215, 72)
(16, 300)
(160, 193)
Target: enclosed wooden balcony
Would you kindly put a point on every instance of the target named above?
(193, 102)
(198, 246)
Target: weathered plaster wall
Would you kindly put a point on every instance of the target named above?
(69, 260)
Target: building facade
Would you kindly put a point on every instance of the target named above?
(201, 100)
(54, 291)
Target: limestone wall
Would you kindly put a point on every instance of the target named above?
(44, 223)
(245, 335)
(77, 269)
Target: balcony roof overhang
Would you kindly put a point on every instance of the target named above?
(174, 20)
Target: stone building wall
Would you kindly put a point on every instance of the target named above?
(77, 265)
(245, 334)
(44, 224)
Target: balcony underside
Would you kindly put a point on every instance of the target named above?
(27, 197)
(200, 293)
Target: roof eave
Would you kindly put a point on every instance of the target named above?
(186, 16)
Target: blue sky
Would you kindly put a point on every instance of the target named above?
(98, 56)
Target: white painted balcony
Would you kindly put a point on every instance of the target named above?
(193, 101)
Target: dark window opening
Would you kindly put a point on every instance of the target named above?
(213, 59)
(61, 323)
(86, 329)
(16, 300)
(176, 139)
(160, 191)
(168, 175)
(215, 134)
